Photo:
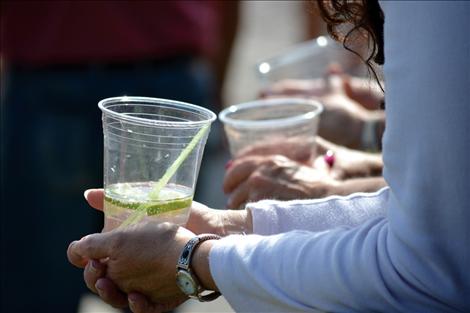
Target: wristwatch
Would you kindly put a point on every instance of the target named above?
(185, 276)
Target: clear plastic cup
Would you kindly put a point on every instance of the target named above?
(308, 60)
(152, 154)
(270, 121)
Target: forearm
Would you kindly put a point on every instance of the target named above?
(273, 217)
(342, 270)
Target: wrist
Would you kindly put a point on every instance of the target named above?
(237, 222)
(201, 265)
(193, 275)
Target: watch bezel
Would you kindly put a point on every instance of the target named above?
(183, 276)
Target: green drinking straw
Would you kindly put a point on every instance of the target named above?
(141, 210)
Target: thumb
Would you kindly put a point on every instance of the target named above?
(347, 87)
(95, 198)
(334, 69)
(95, 246)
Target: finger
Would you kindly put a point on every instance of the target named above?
(140, 304)
(75, 258)
(110, 293)
(238, 196)
(261, 187)
(239, 171)
(324, 145)
(288, 87)
(94, 270)
(295, 149)
(258, 149)
(95, 198)
(95, 246)
(335, 69)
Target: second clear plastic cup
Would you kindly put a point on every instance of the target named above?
(270, 121)
(310, 59)
(152, 154)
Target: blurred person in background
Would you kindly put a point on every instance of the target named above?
(61, 58)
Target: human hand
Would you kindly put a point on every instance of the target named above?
(349, 103)
(261, 172)
(202, 219)
(139, 260)
(258, 177)
(365, 92)
(298, 149)
(317, 87)
(348, 163)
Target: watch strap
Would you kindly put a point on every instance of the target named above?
(184, 263)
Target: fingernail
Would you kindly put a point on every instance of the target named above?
(85, 194)
(98, 285)
(94, 266)
(131, 301)
(228, 164)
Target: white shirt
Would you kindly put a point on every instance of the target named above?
(408, 247)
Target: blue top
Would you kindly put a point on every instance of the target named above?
(412, 252)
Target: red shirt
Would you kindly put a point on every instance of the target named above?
(75, 32)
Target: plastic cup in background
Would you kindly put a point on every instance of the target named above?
(152, 154)
(310, 59)
(270, 121)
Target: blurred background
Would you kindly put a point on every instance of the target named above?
(58, 59)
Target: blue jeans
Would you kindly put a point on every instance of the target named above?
(52, 152)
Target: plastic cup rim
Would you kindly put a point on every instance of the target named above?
(278, 122)
(149, 122)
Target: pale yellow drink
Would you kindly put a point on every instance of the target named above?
(124, 199)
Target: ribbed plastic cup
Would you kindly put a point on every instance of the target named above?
(270, 121)
(152, 154)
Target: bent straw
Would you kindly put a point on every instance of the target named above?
(140, 211)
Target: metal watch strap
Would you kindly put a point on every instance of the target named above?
(184, 263)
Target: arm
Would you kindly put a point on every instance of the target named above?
(273, 217)
(416, 258)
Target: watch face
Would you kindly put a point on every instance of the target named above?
(186, 283)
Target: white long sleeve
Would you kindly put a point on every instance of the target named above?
(417, 257)
(272, 217)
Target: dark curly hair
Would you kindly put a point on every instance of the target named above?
(349, 21)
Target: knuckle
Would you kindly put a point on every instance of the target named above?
(255, 180)
(117, 241)
(87, 244)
